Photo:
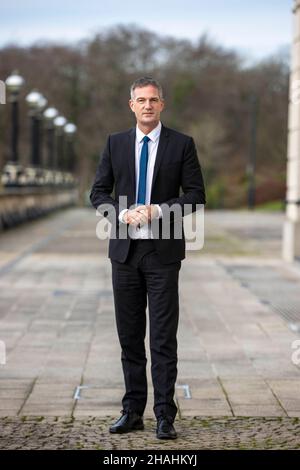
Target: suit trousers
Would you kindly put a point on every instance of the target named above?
(140, 279)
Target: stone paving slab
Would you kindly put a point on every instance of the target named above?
(195, 433)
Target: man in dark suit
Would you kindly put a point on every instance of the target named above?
(146, 167)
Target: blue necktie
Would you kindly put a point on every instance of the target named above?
(141, 198)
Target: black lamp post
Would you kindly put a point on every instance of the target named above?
(32, 100)
(36, 103)
(41, 106)
(49, 115)
(70, 130)
(14, 84)
(59, 123)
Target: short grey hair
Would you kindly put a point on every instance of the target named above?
(145, 81)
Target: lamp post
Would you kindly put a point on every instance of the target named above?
(70, 130)
(59, 123)
(33, 99)
(14, 84)
(36, 102)
(42, 103)
(49, 115)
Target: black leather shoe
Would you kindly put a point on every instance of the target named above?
(165, 428)
(129, 421)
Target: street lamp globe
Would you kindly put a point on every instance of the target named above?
(14, 82)
(70, 129)
(60, 122)
(42, 103)
(50, 114)
(33, 99)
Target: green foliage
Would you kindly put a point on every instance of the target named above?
(274, 206)
(215, 193)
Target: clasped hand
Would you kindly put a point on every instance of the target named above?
(141, 215)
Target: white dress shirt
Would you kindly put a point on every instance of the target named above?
(144, 231)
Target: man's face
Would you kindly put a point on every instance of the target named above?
(147, 105)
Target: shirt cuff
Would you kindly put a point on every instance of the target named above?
(121, 215)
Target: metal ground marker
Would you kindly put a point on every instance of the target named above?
(186, 389)
(78, 390)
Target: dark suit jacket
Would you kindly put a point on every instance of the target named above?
(176, 170)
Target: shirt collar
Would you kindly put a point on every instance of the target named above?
(153, 135)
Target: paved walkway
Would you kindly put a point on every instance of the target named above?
(63, 368)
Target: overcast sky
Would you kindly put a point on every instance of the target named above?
(256, 28)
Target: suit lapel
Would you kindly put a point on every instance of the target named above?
(162, 145)
(130, 151)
